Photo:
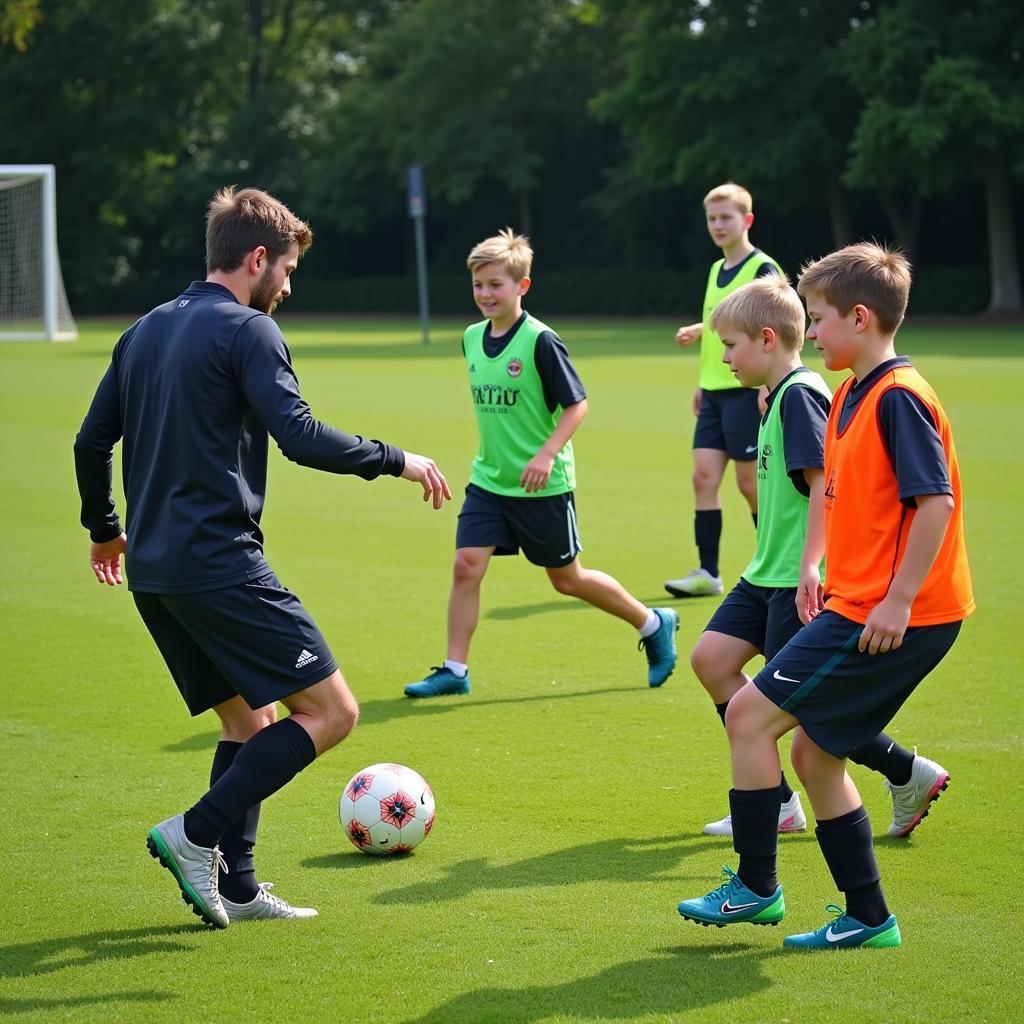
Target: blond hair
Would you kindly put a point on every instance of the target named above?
(512, 251)
(765, 302)
(238, 222)
(732, 193)
(866, 274)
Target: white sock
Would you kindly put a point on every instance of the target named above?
(457, 667)
(650, 626)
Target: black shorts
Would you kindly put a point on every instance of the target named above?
(763, 616)
(844, 698)
(253, 640)
(728, 422)
(545, 528)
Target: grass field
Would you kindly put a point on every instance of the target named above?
(570, 796)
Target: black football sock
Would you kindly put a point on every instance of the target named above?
(849, 851)
(884, 755)
(787, 791)
(236, 844)
(755, 836)
(268, 761)
(707, 530)
(753, 515)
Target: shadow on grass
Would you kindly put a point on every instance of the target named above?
(198, 741)
(9, 1007)
(373, 712)
(608, 860)
(674, 981)
(45, 956)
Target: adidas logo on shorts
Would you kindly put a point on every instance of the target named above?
(305, 658)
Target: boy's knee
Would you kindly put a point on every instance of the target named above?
(563, 582)
(701, 663)
(468, 566)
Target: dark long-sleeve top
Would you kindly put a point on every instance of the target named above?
(193, 390)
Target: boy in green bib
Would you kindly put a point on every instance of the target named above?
(528, 401)
(761, 326)
(727, 412)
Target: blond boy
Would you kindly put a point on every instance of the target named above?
(529, 401)
(727, 413)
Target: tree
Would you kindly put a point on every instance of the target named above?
(943, 88)
(744, 89)
(17, 20)
(478, 93)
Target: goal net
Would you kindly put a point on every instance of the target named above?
(33, 305)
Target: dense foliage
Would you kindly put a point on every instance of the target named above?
(594, 125)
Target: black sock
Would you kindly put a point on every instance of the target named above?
(753, 515)
(787, 790)
(884, 755)
(755, 836)
(721, 709)
(707, 530)
(238, 884)
(268, 761)
(849, 852)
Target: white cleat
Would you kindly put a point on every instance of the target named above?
(696, 583)
(264, 906)
(911, 801)
(791, 819)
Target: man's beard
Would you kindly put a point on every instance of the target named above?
(264, 295)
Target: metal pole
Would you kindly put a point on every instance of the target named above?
(421, 278)
(418, 212)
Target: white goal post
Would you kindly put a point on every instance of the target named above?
(33, 304)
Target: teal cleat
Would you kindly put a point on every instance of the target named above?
(660, 647)
(845, 932)
(733, 903)
(441, 682)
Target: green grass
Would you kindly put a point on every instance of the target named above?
(570, 796)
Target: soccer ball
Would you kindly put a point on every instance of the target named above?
(387, 809)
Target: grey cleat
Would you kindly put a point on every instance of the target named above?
(264, 906)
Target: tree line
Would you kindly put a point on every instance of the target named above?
(595, 126)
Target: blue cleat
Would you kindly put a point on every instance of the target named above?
(733, 903)
(441, 682)
(660, 647)
(845, 932)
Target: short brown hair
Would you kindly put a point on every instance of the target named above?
(512, 251)
(867, 274)
(237, 222)
(732, 193)
(766, 302)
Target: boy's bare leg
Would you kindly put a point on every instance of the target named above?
(746, 481)
(718, 660)
(755, 726)
(657, 626)
(600, 590)
(464, 600)
(708, 470)
(831, 790)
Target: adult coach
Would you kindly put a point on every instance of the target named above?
(194, 389)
